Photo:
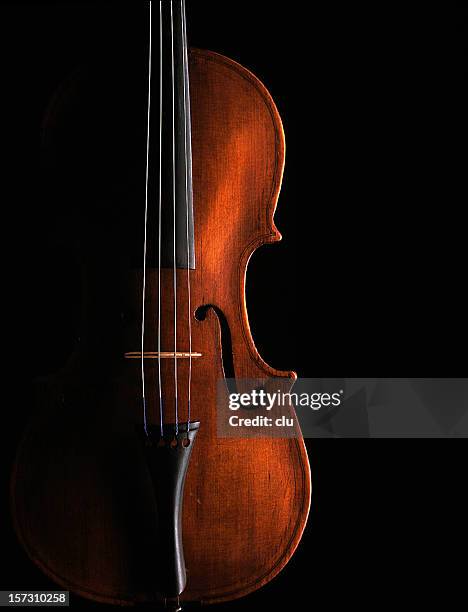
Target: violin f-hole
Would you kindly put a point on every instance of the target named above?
(227, 357)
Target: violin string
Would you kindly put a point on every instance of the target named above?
(145, 233)
(187, 162)
(160, 213)
(176, 399)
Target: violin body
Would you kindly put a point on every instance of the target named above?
(83, 500)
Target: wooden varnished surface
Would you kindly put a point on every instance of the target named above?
(82, 498)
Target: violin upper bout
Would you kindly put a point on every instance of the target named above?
(238, 149)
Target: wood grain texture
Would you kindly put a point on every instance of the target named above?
(82, 498)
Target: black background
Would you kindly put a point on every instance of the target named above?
(370, 278)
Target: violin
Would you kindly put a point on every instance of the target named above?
(123, 490)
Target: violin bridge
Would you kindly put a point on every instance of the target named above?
(162, 355)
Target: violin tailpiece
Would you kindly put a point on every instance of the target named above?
(167, 458)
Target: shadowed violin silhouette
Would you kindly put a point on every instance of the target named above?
(169, 171)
